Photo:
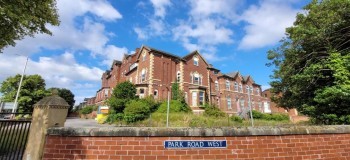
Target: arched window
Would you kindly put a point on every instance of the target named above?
(195, 61)
(178, 76)
(216, 85)
(227, 85)
(236, 86)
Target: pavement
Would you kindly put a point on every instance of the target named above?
(77, 123)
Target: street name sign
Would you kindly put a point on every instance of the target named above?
(195, 144)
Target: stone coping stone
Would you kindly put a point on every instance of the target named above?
(197, 132)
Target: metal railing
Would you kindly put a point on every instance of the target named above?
(14, 130)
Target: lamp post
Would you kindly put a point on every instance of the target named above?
(250, 108)
(19, 87)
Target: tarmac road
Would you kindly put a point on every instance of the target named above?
(78, 123)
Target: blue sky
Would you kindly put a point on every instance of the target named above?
(231, 34)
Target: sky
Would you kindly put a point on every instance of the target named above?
(233, 35)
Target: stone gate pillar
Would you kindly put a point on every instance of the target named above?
(48, 112)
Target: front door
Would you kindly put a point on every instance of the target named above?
(194, 99)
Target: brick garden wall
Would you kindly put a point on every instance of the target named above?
(242, 143)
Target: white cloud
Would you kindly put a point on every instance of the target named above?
(155, 27)
(90, 36)
(58, 71)
(207, 26)
(160, 7)
(112, 52)
(82, 30)
(205, 8)
(266, 23)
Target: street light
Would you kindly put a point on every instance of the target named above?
(19, 87)
(250, 108)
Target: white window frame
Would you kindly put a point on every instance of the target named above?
(228, 85)
(216, 86)
(143, 75)
(196, 61)
(229, 102)
(236, 86)
(201, 98)
(240, 88)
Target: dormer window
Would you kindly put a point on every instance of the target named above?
(195, 61)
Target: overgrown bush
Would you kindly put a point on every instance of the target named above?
(111, 118)
(136, 110)
(236, 119)
(257, 114)
(87, 110)
(270, 117)
(122, 94)
(213, 111)
(175, 106)
(198, 121)
(154, 105)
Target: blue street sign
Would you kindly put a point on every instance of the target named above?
(195, 144)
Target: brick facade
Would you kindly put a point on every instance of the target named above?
(154, 71)
(321, 146)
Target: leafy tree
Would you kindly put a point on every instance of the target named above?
(20, 18)
(122, 93)
(67, 95)
(312, 63)
(32, 90)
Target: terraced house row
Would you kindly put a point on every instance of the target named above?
(154, 71)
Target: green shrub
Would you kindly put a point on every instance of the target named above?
(111, 118)
(154, 105)
(175, 107)
(198, 121)
(213, 111)
(86, 110)
(94, 108)
(279, 117)
(136, 110)
(257, 114)
(270, 117)
(236, 119)
(344, 119)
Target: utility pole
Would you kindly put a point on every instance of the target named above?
(19, 88)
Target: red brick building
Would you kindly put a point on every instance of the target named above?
(154, 71)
